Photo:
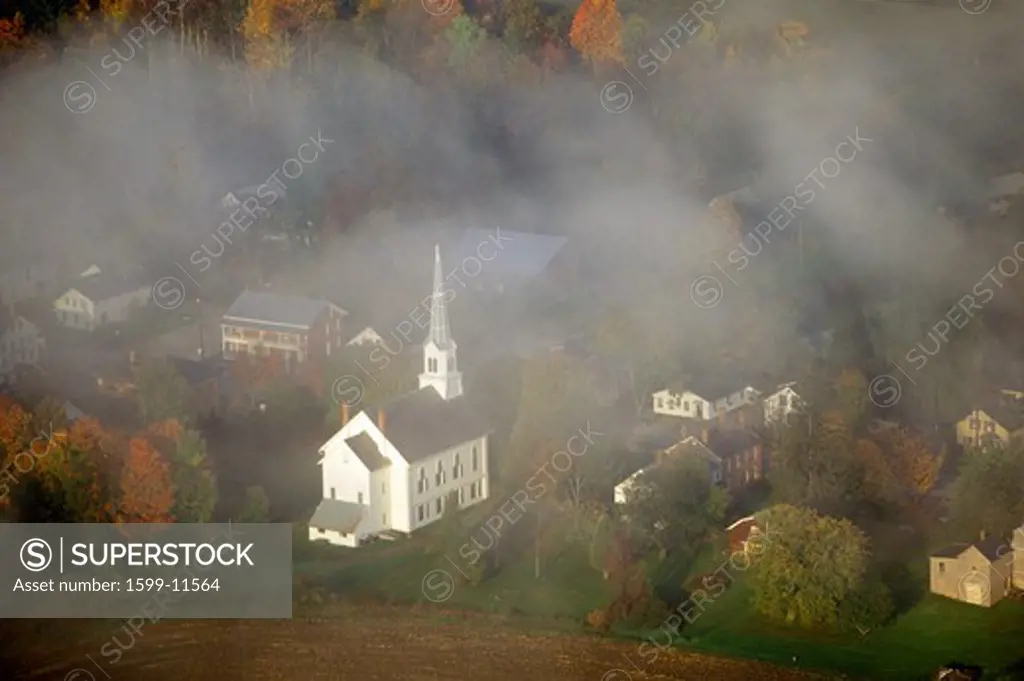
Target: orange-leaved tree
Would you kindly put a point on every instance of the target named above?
(147, 490)
(914, 463)
(596, 32)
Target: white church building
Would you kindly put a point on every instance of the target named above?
(394, 468)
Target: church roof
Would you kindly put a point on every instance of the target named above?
(367, 451)
(421, 424)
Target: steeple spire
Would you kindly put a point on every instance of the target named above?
(440, 331)
(440, 366)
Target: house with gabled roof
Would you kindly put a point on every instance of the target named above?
(711, 397)
(97, 298)
(398, 466)
(998, 418)
(979, 573)
(688, 446)
(781, 402)
(294, 329)
(21, 342)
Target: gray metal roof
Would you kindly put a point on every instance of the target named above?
(340, 516)
(367, 451)
(523, 254)
(104, 286)
(275, 308)
(421, 424)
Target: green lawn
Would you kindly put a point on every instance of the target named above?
(933, 632)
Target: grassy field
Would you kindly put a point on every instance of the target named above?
(931, 632)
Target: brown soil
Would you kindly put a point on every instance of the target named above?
(362, 643)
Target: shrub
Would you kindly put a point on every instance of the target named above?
(647, 612)
(867, 607)
(599, 620)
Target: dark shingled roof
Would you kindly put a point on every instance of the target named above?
(366, 449)
(274, 308)
(952, 551)
(337, 515)
(421, 423)
(992, 548)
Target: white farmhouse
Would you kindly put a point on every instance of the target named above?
(20, 343)
(97, 299)
(781, 403)
(683, 403)
(395, 472)
(704, 400)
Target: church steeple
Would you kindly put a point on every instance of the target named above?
(440, 366)
(440, 331)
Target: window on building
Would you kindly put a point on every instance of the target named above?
(419, 512)
(472, 491)
(476, 460)
(439, 475)
(700, 411)
(975, 424)
(783, 400)
(359, 496)
(333, 495)
(439, 505)
(661, 403)
(942, 568)
(462, 496)
(455, 468)
(321, 530)
(422, 484)
(686, 405)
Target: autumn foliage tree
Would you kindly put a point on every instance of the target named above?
(596, 32)
(147, 489)
(914, 463)
(86, 469)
